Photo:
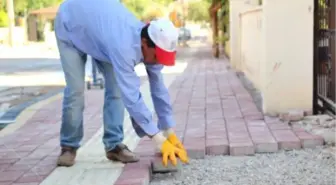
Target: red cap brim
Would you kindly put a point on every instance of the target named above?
(165, 57)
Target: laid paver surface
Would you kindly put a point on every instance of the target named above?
(28, 155)
(215, 115)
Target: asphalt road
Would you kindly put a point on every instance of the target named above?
(20, 65)
(44, 58)
(22, 77)
(35, 65)
(32, 71)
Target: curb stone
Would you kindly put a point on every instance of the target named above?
(13, 112)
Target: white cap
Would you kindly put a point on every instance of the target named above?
(164, 34)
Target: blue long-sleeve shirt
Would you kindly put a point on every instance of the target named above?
(108, 31)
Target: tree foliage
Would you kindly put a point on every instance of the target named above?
(198, 11)
(146, 9)
(152, 12)
(141, 8)
(22, 7)
(3, 19)
(224, 16)
(136, 6)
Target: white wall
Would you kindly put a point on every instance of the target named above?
(288, 64)
(275, 51)
(236, 7)
(251, 35)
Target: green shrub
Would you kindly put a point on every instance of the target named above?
(3, 19)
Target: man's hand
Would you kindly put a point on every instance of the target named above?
(173, 139)
(171, 136)
(168, 150)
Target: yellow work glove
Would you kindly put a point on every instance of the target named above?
(171, 136)
(169, 151)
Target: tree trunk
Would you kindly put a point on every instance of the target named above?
(214, 24)
(215, 41)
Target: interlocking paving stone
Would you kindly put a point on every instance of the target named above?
(287, 139)
(30, 152)
(215, 115)
(309, 140)
(158, 167)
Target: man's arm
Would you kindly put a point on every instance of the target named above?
(129, 84)
(160, 96)
(161, 101)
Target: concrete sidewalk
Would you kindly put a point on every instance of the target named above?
(214, 113)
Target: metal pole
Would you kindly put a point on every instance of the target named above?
(315, 58)
(11, 23)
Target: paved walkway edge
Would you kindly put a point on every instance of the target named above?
(91, 165)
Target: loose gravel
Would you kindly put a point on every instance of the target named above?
(302, 167)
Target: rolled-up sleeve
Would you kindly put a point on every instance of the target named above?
(160, 97)
(129, 84)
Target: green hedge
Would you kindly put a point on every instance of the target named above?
(3, 19)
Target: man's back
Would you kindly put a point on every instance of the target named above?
(96, 27)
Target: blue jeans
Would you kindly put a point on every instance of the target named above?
(73, 64)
